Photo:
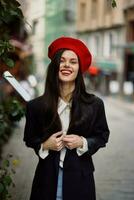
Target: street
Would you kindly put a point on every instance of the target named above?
(114, 165)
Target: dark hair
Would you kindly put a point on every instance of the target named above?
(52, 91)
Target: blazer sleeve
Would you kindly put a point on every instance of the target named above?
(100, 132)
(31, 137)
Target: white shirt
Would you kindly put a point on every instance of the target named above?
(64, 113)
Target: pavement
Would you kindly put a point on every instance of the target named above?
(114, 164)
(114, 174)
(27, 163)
(121, 103)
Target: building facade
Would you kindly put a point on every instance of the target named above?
(104, 30)
(34, 13)
(45, 21)
(60, 20)
(129, 46)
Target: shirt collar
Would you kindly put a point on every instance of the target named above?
(62, 105)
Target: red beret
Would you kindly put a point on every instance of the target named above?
(75, 45)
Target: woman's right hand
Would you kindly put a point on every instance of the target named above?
(54, 142)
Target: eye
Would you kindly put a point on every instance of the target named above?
(61, 61)
(74, 62)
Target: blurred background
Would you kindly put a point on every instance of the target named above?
(26, 30)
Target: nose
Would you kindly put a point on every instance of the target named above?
(67, 64)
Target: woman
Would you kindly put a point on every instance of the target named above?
(65, 126)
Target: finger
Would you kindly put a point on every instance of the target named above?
(60, 143)
(69, 144)
(59, 139)
(60, 147)
(69, 136)
(69, 147)
(57, 145)
(57, 134)
(65, 139)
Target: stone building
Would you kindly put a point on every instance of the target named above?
(108, 33)
(34, 12)
(129, 46)
(60, 20)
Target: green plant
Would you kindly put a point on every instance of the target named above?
(10, 13)
(113, 3)
(7, 170)
(5, 49)
(15, 110)
(11, 111)
(11, 21)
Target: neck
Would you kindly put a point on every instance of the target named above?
(66, 90)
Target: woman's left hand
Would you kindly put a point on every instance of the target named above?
(73, 141)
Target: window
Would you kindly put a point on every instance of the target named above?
(131, 31)
(34, 26)
(97, 45)
(94, 9)
(110, 43)
(82, 11)
(70, 11)
(107, 6)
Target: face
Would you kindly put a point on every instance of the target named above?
(69, 66)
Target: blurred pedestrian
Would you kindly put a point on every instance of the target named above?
(65, 126)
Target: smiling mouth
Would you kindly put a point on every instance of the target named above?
(66, 72)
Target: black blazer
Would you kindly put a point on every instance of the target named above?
(90, 123)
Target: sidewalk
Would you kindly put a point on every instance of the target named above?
(25, 171)
(117, 101)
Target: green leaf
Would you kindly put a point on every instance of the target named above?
(7, 181)
(6, 163)
(1, 51)
(114, 4)
(14, 4)
(13, 12)
(9, 62)
(19, 13)
(16, 110)
(8, 18)
(1, 188)
(3, 3)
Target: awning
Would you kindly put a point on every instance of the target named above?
(129, 45)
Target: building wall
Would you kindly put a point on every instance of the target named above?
(104, 30)
(128, 4)
(129, 50)
(60, 20)
(35, 25)
(98, 14)
(47, 20)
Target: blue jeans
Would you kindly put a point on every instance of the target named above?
(59, 186)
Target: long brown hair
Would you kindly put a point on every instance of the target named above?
(52, 91)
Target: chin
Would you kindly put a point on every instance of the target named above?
(66, 81)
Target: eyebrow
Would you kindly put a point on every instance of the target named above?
(70, 58)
